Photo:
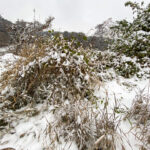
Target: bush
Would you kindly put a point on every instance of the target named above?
(133, 38)
(51, 69)
(122, 65)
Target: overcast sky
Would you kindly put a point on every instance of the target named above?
(71, 15)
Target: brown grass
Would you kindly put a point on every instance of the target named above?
(140, 113)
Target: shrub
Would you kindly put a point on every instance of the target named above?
(133, 38)
(122, 65)
(51, 69)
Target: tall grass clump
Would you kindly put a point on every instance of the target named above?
(140, 115)
(86, 125)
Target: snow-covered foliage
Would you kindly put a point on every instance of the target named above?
(89, 127)
(53, 70)
(57, 72)
(121, 64)
(51, 96)
(74, 123)
(133, 38)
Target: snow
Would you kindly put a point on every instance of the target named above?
(86, 77)
(3, 49)
(7, 60)
(29, 132)
(124, 91)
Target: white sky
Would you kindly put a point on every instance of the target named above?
(71, 15)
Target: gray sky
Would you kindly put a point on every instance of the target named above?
(71, 15)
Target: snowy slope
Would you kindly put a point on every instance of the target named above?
(29, 128)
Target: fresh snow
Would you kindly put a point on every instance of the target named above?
(29, 133)
(7, 60)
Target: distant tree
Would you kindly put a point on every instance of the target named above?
(28, 32)
(5, 31)
(103, 29)
(102, 35)
(86, 41)
(21, 23)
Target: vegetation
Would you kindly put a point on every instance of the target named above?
(140, 115)
(63, 71)
(133, 38)
(52, 69)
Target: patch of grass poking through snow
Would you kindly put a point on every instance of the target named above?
(82, 123)
(140, 113)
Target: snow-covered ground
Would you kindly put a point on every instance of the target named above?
(28, 132)
(3, 50)
(7, 60)
(124, 91)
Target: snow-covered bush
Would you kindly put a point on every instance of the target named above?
(129, 44)
(52, 69)
(133, 38)
(121, 64)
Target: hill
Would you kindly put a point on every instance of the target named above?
(5, 26)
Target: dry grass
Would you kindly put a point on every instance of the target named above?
(140, 113)
(91, 128)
